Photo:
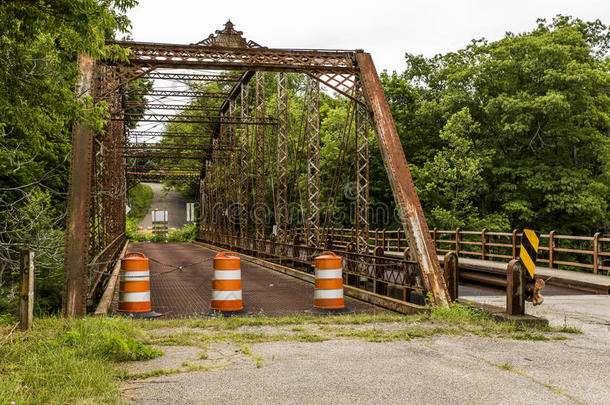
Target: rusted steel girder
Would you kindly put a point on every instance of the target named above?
(178, 93)
(191, 77)
(313, 162)
(259, 158)
(179, 107)
(165, 155)
(170, 134)
(405, 194)
(76, 257)
(194, 119)
(281, 219)
(262, 59)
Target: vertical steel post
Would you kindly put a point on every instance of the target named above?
(259, 159)
(362, 178)
(405, 194)
(233, 167)
(76, 255)
(282, 156)
(244, 161)
(313, 161)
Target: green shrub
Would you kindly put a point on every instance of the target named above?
(140, 198)
(186, 234)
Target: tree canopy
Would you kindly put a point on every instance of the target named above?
(511, 133)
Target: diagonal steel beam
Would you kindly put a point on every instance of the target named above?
(405, 194)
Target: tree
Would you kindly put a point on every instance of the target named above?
(542, 107)
(39, 44)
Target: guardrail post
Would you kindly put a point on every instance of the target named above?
(26, 296)
(351, 277)
(552, 243)
(379, 287)
(451, 273)
(514, 241)
(596, 252)
(458, 239)
(383, 240)
(515, 288)
(484, 244)
(434, 237)
(398, 240)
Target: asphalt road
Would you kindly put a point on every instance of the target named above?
(171, 201)
(440, 369)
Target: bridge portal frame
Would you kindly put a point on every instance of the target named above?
(97, 222)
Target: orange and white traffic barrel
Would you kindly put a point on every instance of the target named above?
(134, 286)
(226, 284)
(328, 292)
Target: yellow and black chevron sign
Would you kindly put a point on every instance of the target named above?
(529, 249)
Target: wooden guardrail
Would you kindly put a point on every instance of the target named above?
(584, 253)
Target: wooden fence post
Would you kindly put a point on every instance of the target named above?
(26, 296)
(451, 273)
(552, 242)
(596, 252)
(434, 237)
(514, 240)
(458, 239)
(484, 244)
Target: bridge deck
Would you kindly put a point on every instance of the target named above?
(176, 293)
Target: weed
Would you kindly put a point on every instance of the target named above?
(529, 336)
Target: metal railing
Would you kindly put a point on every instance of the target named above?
(387, 276)
(584, 253)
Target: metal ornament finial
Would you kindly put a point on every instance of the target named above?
(228, 38)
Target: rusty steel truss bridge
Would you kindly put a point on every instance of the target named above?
(238, 152)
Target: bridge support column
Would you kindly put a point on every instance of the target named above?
(76, 254)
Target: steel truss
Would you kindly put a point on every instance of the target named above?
(313, 162)
(244, 143)
(96, 201)
(259, 158)
(281, 219)
(362, 178)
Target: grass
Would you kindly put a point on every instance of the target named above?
(82, 360)
(67, 360)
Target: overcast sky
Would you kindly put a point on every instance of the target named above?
(387, 29)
